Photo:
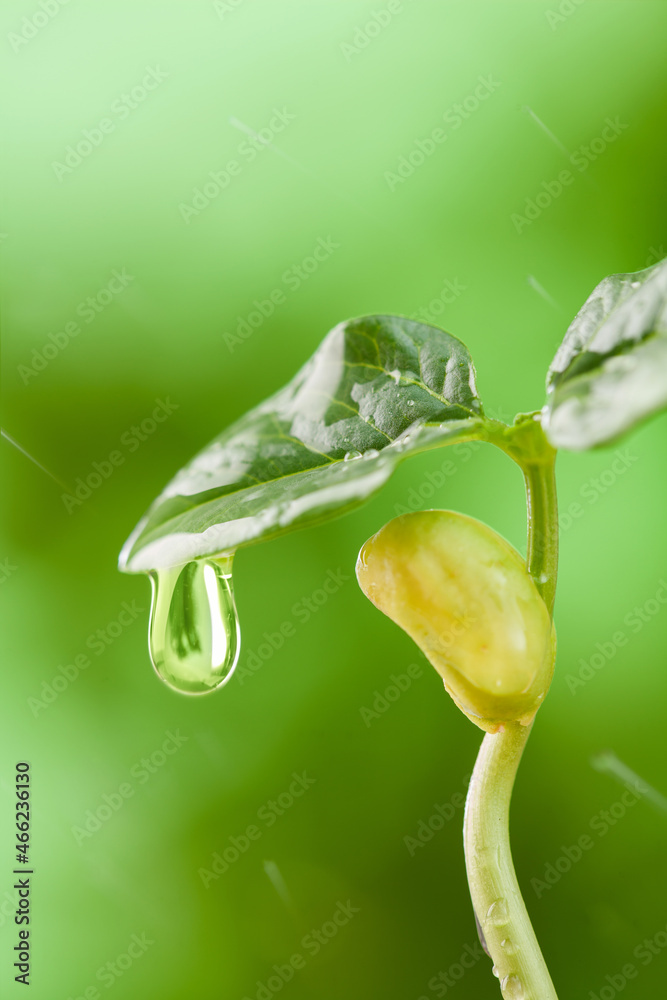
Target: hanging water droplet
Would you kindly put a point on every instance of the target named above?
(498, 914)
(494, 970)
(512, 988)
(194, 636)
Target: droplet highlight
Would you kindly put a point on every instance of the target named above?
(498, 913)
(512, 988)
(194, 636)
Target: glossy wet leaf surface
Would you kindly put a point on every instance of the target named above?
(611, 369)
(377, 389)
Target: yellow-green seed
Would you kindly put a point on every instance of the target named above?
(466, 598)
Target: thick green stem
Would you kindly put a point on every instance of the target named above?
(495, 893)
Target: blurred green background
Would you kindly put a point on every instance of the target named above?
(180, 86)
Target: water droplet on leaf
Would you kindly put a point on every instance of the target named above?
(194, 636)
(635, 284)
(350, 455)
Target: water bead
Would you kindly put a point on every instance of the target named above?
(498, 913)
(512, 988)
(194, 635)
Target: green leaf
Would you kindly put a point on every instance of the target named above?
(610, 372)
(377, 389)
